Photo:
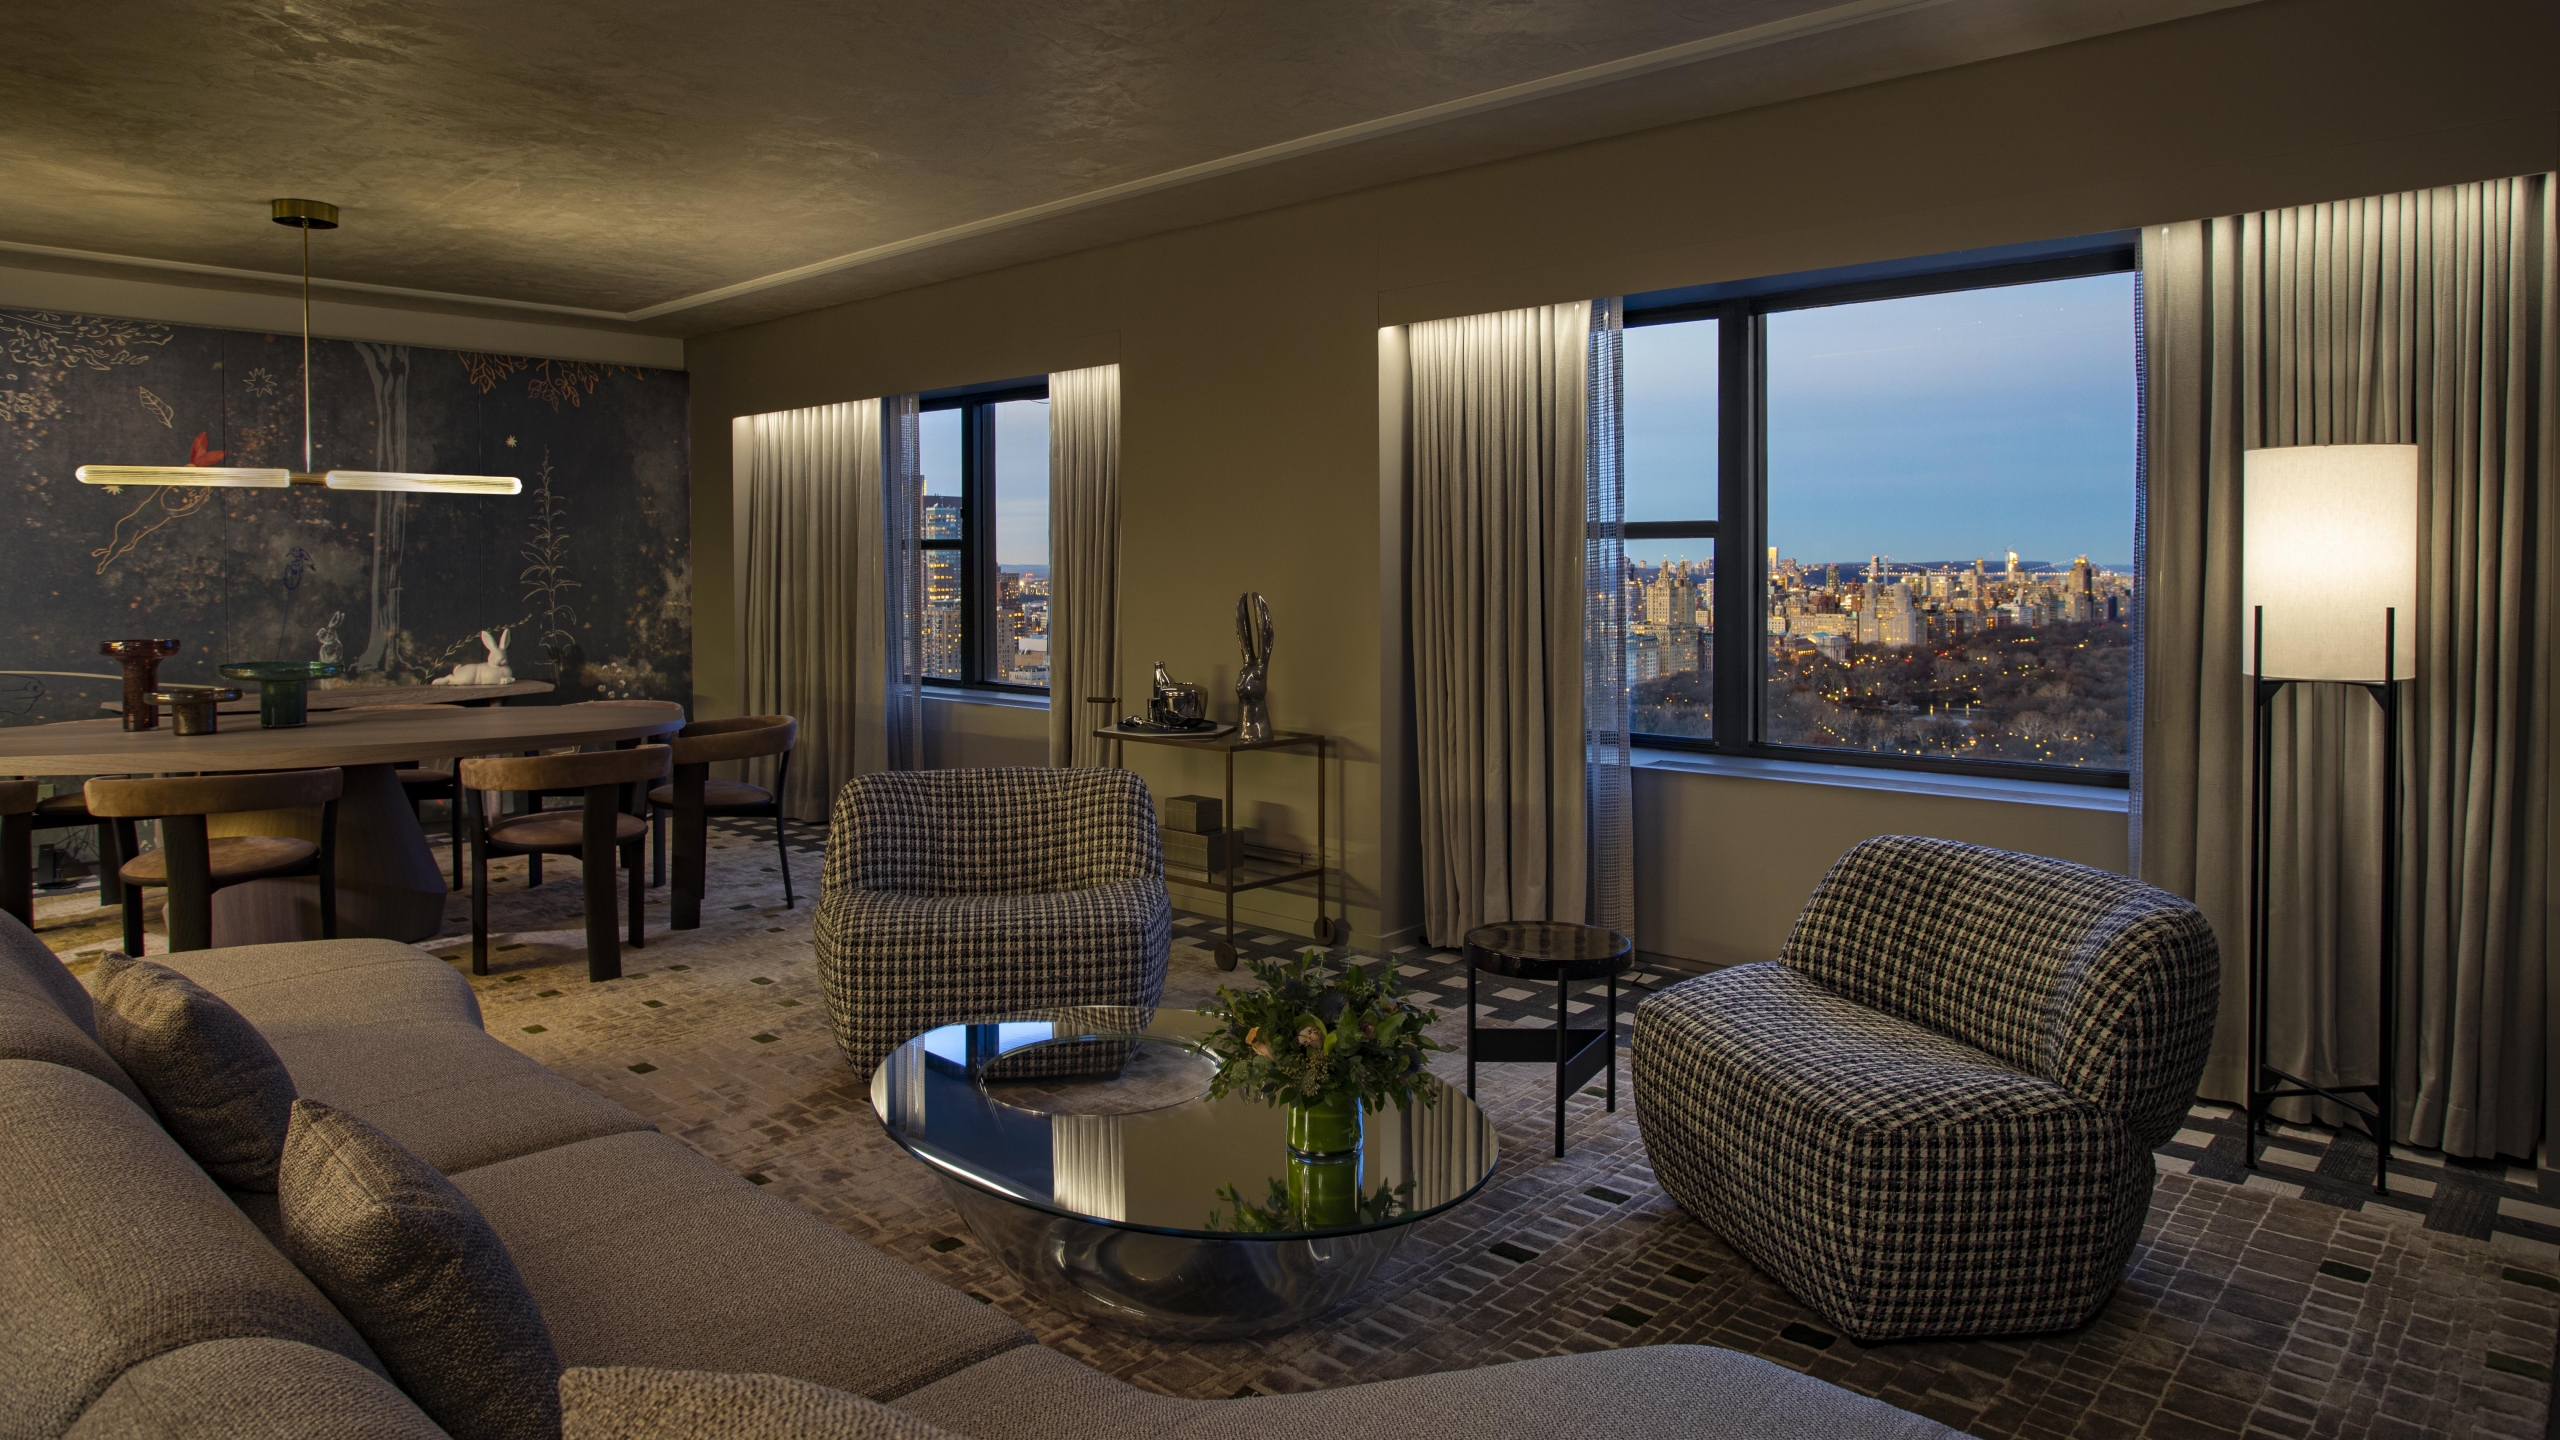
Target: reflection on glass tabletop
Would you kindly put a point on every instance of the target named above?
(1103, 1114)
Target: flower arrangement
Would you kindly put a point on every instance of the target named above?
(1311, 1036)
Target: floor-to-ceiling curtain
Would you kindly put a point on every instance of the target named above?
(900, 588)
(810, 625)
(1606, 722)
(1500, 516)
(2423, 318)
(1084, 558)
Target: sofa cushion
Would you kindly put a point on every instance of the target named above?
(421, 1274)
(642, 1252)
(46, 1015)
(391, 1034)
(221, 1092)
(253, 1390)
(1650, 1392)
(633, 1403)
(118, 1249)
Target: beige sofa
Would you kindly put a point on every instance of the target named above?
(138, 1298)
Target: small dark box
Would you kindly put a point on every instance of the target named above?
(1210, 854)
(1194, 814)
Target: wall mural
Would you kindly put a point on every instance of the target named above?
(588, 572)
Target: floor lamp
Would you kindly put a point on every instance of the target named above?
(2329, 579)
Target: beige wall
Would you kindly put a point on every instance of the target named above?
(1250, 358)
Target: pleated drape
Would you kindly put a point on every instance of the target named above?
(810, 622)
(1500, 459)
(2423, 318)
(1084, 558)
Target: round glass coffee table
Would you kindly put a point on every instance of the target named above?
(1082, 1148)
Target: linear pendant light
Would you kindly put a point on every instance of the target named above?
(305, 216)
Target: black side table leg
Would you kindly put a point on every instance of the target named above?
(1471, 1029)
(1564, 1035)
(1609, 1038)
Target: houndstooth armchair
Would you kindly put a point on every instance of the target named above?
(954, 895)
(1934, 1113)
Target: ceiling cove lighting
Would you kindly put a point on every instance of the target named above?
(305, 216)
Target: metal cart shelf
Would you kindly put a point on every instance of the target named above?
(1243, 874)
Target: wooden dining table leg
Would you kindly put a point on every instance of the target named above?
(596, 848)
(391, 886)
(693, 849)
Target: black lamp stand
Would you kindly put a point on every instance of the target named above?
(2370, 1104)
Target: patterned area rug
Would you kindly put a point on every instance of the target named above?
(2248, 1310)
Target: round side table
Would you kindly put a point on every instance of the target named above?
(1549, 950)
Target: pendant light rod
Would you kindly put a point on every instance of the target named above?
(305, 216)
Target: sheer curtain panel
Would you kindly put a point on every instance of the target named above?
(1604, 631)
(810, 627)
(1084, 557)
(1500, 518)
(2423, 318)
(899, 562)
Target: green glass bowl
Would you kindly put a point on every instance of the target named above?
(281, 687)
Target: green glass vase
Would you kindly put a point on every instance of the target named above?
(1324, 1190)
(1328, 1127)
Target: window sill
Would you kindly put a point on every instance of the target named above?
(1907, 782)
(1011, 700)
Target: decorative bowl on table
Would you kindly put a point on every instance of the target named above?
(282, 687)
(193, 708)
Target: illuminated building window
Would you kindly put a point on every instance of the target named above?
(984, 451)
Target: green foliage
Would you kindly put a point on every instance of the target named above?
(1281, 1215)
(1311, 1033)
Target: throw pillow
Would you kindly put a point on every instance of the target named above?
(633, 1403)
(221, 1092)
(412, 1262)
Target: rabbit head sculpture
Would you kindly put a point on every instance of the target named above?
(492, 671)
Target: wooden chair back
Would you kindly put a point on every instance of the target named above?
(158, 796)
(742, 737)
(575, 771)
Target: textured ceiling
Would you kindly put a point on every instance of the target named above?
(638, 158)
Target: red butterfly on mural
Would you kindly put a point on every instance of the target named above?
(202, 456)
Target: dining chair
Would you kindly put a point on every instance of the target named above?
(595, 832)
(190, 865)
(70, 811)
(535, 800)
(694, 796)
(18, 802)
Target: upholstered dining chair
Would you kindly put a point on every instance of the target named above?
(190, 865)
(692, 796)
(1933, 1114)
(536, 800)
(18, 801)
(601, 828)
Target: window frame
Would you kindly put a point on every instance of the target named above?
(1740, 529)
(979, 572)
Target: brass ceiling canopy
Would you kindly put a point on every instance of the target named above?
(305, 216)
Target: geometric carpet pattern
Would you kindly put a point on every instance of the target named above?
(2246, 1309)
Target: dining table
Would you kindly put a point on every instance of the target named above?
(388, 882)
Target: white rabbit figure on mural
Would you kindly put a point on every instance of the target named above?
(492, 671)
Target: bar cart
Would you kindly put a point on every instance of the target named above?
(1243, 874)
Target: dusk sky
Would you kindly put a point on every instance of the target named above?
(1937, 427)
(1022, 474)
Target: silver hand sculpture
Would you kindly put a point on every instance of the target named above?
(1253, 627)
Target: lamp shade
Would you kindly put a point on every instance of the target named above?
(2329, 541)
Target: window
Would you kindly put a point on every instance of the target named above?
(985, 456)
(1922, 490)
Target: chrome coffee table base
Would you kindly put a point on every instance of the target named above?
(1184, 1286)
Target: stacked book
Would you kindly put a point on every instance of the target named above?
(1195, 837)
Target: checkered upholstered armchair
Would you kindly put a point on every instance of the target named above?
(1934, 1113)
(954, 895)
